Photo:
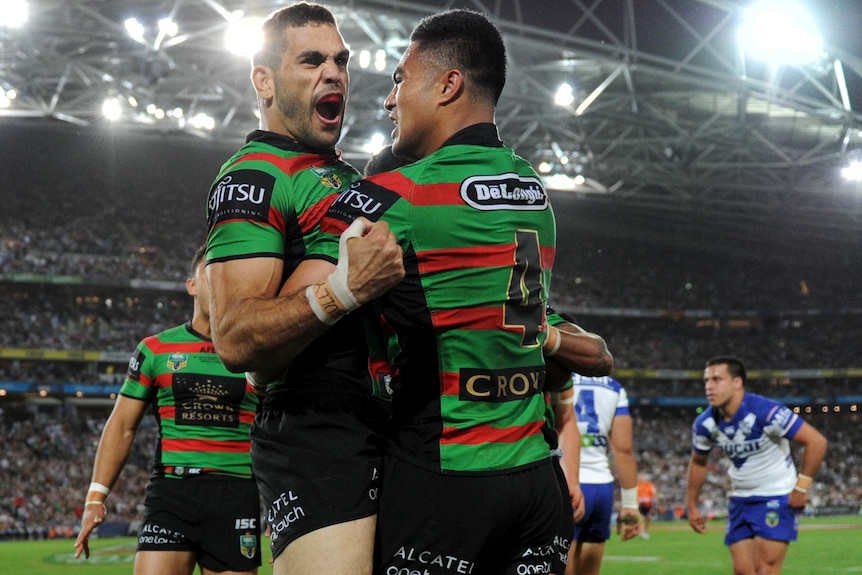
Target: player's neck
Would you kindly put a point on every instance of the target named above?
(729, 409)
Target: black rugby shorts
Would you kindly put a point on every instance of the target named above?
(214, 516)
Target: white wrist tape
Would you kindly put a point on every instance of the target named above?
(557, 342)
(338, 278)
(98, 487)
(629, 497)
(322, 315)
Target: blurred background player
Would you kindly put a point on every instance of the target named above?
(647, 501)
(767, 493)
(572, 349)
(202, 504)
(603, 419)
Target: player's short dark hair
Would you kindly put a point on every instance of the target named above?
(383, 161)
(468, 41)
(197, 259)
(735, 367)
(273, 38)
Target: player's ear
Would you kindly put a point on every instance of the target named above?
(263, 80)
(451, 85)
(191, 287)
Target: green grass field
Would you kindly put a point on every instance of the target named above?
(826, 546)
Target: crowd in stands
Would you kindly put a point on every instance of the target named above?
(45, 468)
(69, 280)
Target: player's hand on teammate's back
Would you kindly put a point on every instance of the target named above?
(376, 262)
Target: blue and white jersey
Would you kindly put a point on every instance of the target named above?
(756, 440)
(597, 401)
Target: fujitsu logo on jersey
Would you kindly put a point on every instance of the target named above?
(504, 192)
(362, 199)
(355, 199)
(241, 194)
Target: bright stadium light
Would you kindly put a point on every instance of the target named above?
(564, 95)
(134, 28)
(780, 33)
(111, 109)
(243, 36)
(376, 143)
(168, 27)
(364, 59)
(852, 171)
(13, 13)
(380, 60)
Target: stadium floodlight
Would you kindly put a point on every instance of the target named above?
(134, 29)
(564, 95)
(852, 171)
(376, 143)
(202, 121)
(243, 36)
(168, 27)
(380, 60)
(13, 13)
(364, 59)
(111, 109)
(780, 33)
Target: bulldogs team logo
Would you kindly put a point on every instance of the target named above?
(772, 518)
(177, 361)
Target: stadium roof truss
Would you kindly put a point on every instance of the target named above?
(668, 114)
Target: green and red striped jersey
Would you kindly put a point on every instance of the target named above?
(267, 201)
(204, 412)
(479, 237)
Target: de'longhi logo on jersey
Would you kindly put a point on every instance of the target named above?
(504, 192)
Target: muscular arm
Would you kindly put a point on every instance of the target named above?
(570, 442)
(812, 456)
(583, 352)
(697, 472)
(111, 456)
(259, 326)
(251, 323)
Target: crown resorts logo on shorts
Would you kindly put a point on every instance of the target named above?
(177, 361)
(248, 545)
(772, 518)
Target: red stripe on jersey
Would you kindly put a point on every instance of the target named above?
(157, 347)
(469, 318)
(314, 214)
(180, 445)
(276, 218)
(287, 165)
(451, 383)
(431, 261)
(437, 195)
(420, 194)
(334, 226)
(548, 255)
(486, 434)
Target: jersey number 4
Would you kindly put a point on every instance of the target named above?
(524, 308)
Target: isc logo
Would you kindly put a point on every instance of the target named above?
(246, 523)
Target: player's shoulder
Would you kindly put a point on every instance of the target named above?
(705, 420)
(603, 382)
